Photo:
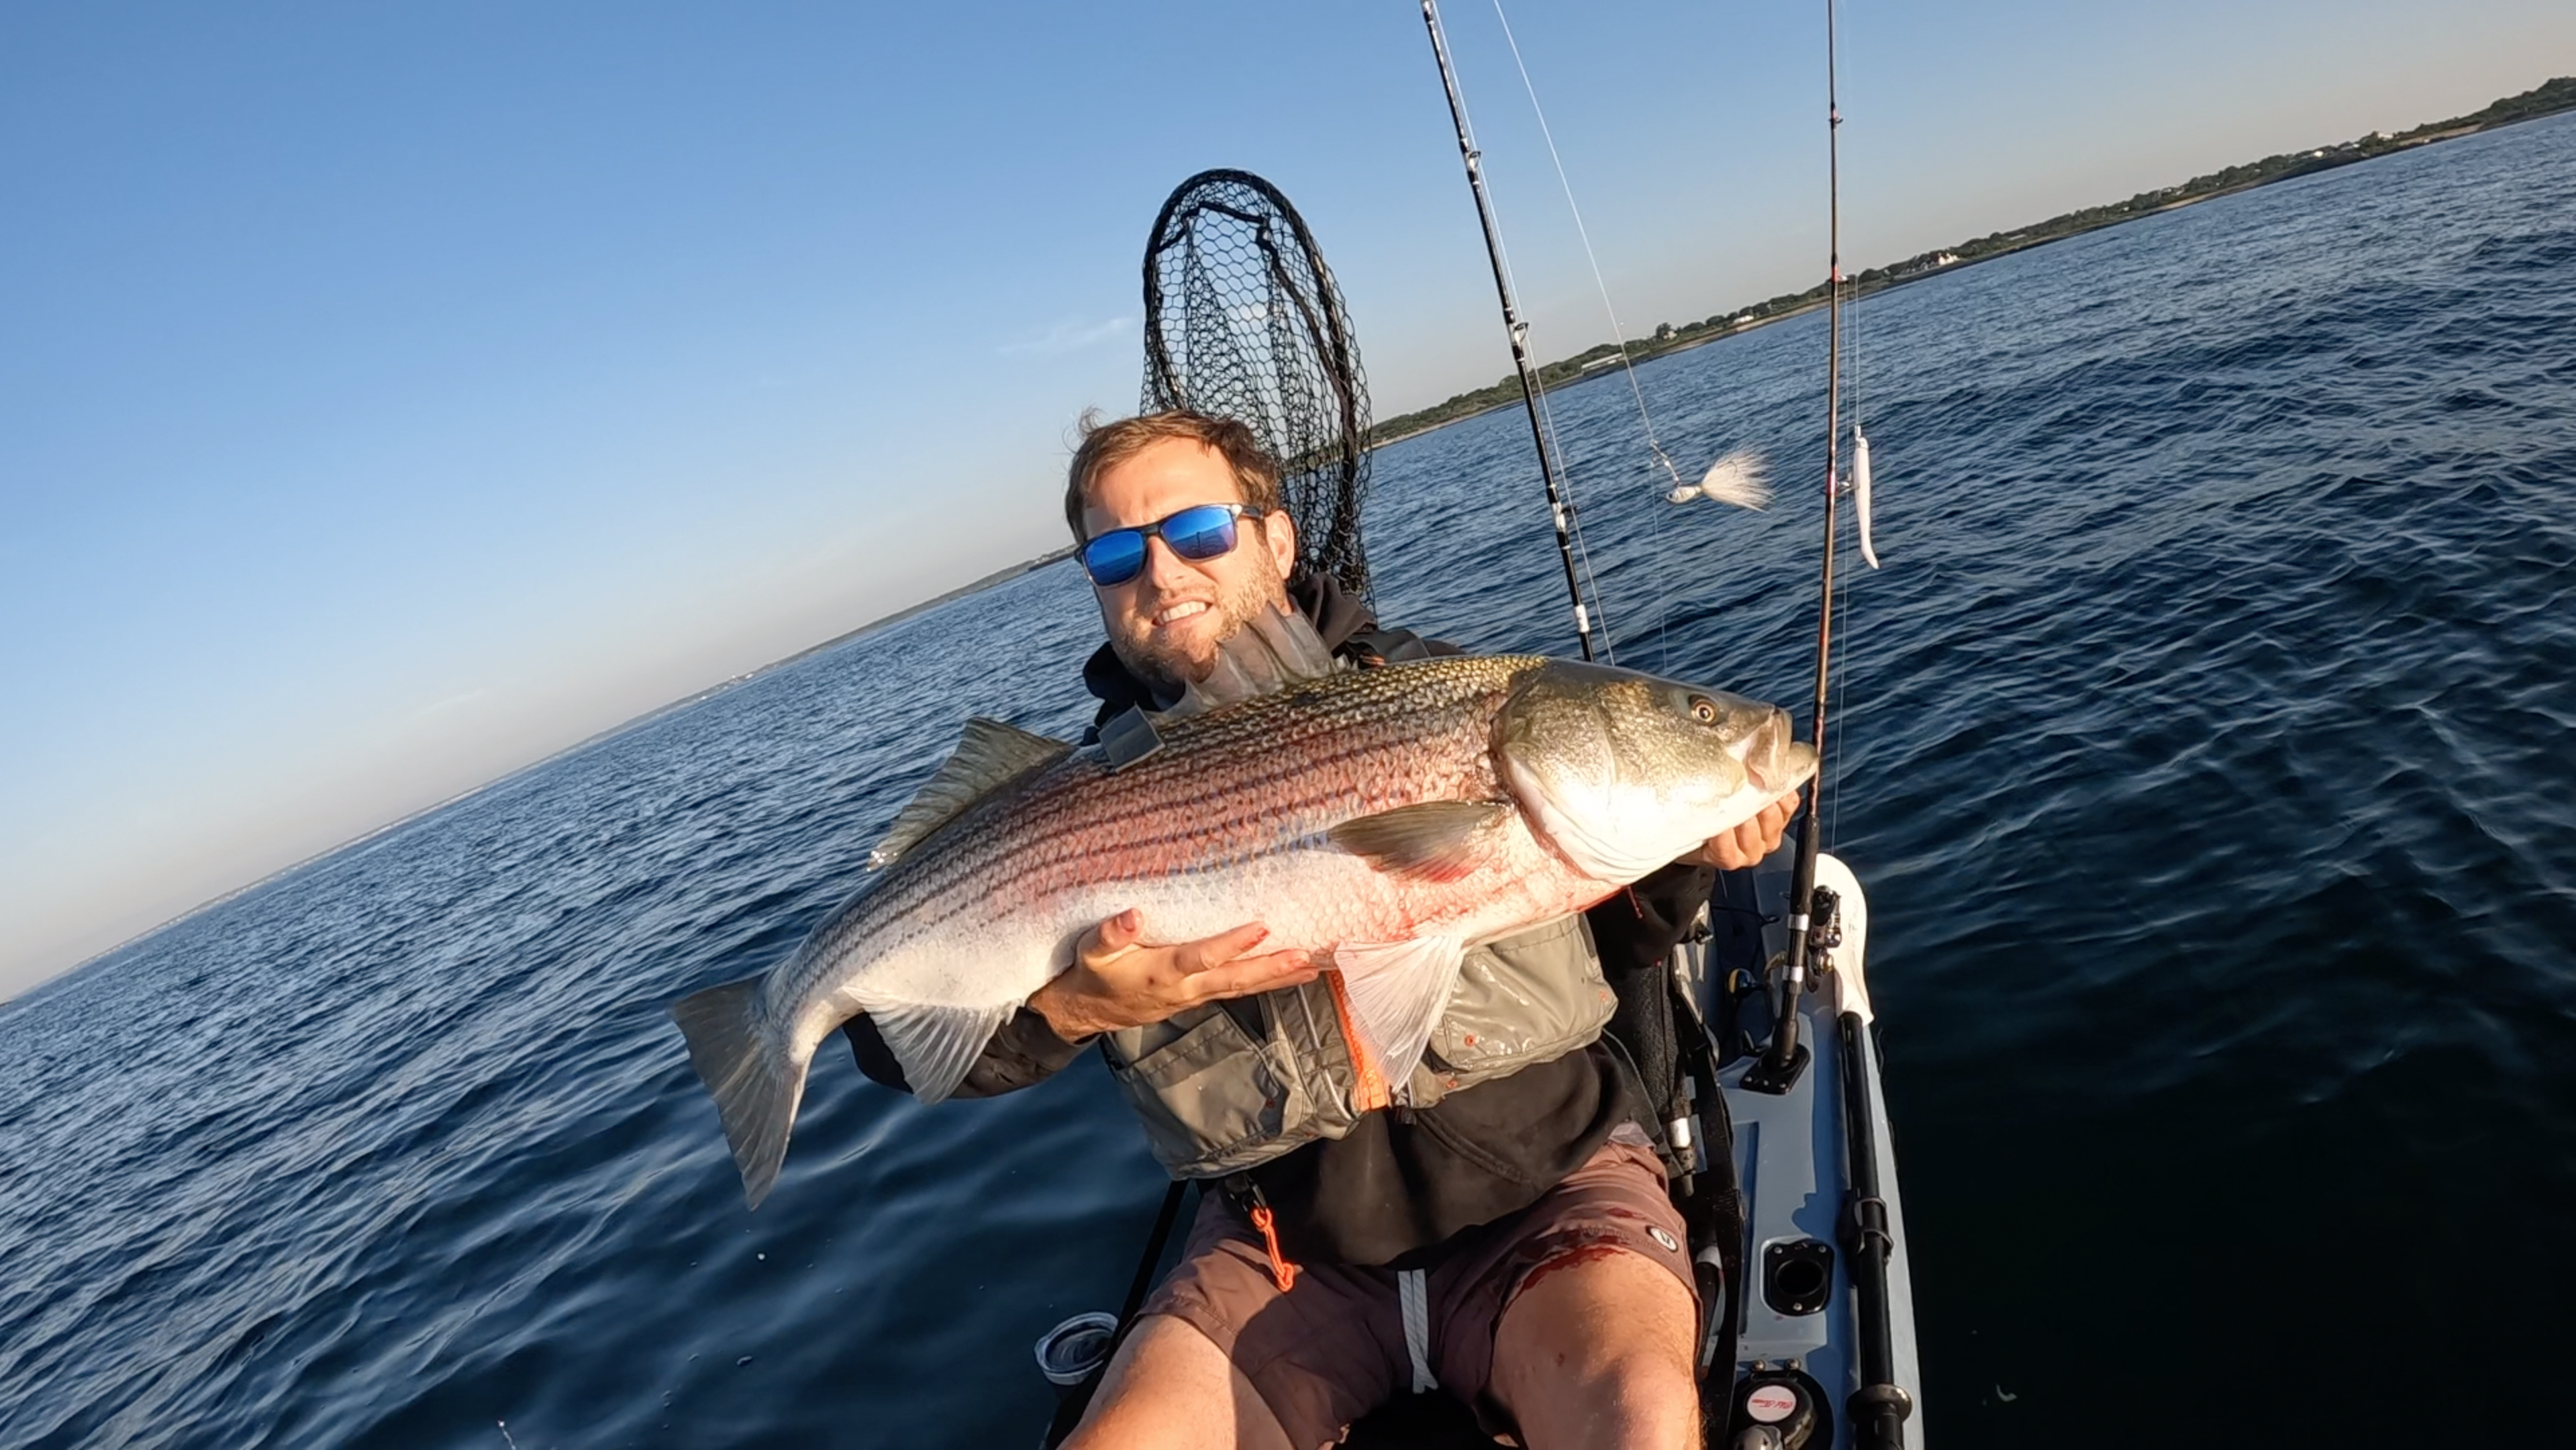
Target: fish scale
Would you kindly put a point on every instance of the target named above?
(1386, 817)
(1078, 827)
(1081, 825)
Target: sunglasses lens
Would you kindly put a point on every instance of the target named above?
(1114, 557)
(1200, 533)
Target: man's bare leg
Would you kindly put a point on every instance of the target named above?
(1171, 1388)
(1597, 1353)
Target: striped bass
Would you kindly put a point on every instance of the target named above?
(1387, 818)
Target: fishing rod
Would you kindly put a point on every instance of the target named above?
(1878, 1409)
(1786, 1058)
(1558, 509)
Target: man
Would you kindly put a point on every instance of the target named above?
(1512, 1184)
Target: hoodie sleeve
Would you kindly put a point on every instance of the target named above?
(1635, 931)
(1024, 1051)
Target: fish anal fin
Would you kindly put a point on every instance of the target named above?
(1397, 991)
(1273, 650)
(1433, 840)
(937, 1042)
(989, 755)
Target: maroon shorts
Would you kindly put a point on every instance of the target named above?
(1333, 1348)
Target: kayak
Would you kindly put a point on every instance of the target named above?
(1799, 1324)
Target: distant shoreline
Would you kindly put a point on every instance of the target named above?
(999, 576)
(2547, 99)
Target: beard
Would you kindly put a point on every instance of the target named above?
(1169, 667)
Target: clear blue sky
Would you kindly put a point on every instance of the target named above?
(391, 395)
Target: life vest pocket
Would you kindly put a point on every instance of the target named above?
(1529, 997)
(1208, 1092)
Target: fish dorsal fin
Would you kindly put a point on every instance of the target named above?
(988, 756)
(1434, 840)
(1272, 651)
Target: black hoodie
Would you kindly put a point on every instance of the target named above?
(1404, 1179)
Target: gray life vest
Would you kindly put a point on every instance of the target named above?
(1233, 1084)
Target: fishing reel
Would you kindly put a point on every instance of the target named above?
(1825, 935)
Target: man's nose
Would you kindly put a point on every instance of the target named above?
(1163, 567)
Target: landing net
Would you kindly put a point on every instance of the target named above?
(1243, 321)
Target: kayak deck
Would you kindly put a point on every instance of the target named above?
(1795, 1300)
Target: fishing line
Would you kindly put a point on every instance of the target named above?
(1842, 671)
(1618, 334)
(1848, 316)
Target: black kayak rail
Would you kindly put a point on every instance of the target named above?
(1711, 1199)
(1879, 1408)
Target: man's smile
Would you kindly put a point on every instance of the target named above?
(1174, 613)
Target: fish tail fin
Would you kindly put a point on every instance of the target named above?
(755, 1074)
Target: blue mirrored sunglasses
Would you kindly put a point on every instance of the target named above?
(1201, 531)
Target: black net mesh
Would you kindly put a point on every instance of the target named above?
(1242, 320)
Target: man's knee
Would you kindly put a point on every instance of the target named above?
(1600, 1352)
(1170, 1385)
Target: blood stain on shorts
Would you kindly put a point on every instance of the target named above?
(1590, 1248)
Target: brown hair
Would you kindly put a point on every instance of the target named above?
(1106, 445)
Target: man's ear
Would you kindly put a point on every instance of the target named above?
(1280, 532)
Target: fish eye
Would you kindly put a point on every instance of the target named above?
(1703, 709)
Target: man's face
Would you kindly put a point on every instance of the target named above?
(1167, 622)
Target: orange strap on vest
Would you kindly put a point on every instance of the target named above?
(1368, 1082)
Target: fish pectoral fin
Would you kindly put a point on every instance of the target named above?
(989, 755)
(1273, 650)
(1435, 840)
(937, 1042)
(1397, 991)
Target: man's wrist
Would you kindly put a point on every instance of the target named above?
(1053, 1003)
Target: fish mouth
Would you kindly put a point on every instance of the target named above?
(1773, 760)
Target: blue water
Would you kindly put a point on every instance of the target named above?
(2204, 746)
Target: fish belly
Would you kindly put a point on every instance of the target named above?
(978, 967)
